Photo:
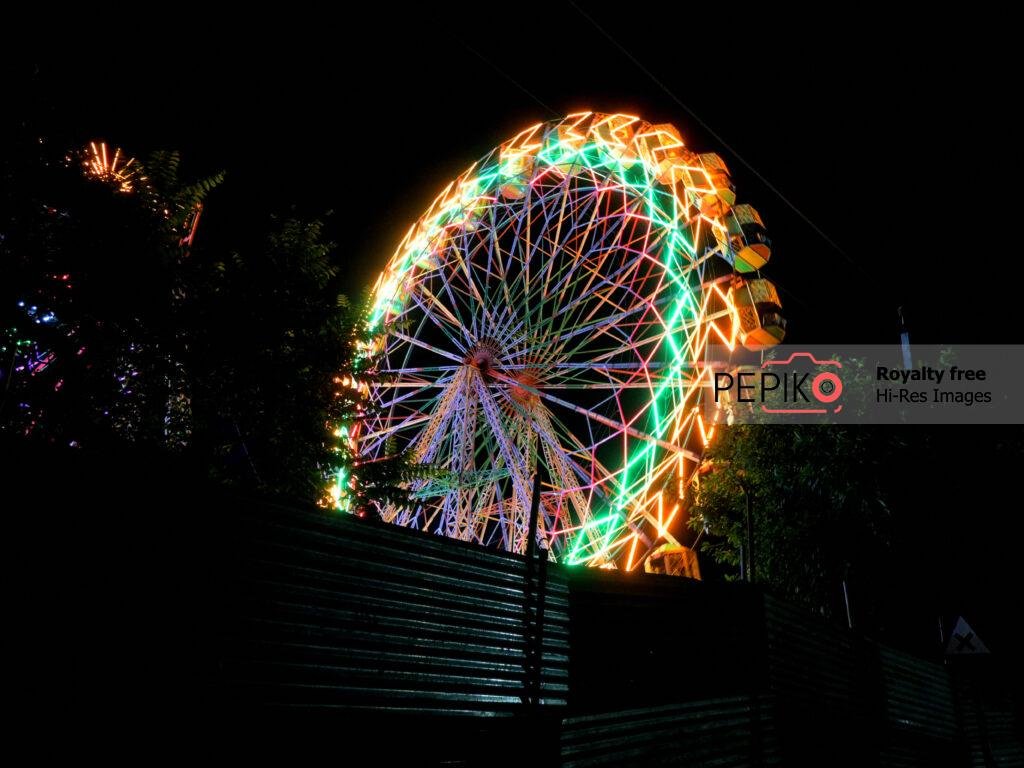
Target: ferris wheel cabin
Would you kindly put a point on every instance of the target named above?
(760, 313)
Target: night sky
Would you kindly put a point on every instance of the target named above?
(891, 140)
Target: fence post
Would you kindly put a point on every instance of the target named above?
(533, 605)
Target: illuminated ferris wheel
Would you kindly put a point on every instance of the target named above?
(549, 314)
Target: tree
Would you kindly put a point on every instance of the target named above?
(90, 293)
(270, 331)
(278, 372)
(117, 325)
(819, 506)
(358, 484)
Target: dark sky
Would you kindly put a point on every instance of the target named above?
(892, 137)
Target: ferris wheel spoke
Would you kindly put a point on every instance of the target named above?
(417, 370)
(450, 289)
(597, 385)
(397, 423)
(388, 397)
(609, 284)
(563, 470)
(582, 237)
(546, 250)
(474, 292)
(376, 439)
(429, 347)
(557, 244)
(480, 516)
(615, 334)
(515, 462)
(463, 462)
(425, 448)
(573, 479)
(636, 351)
(573, 450)
(578, 284)
(621, 426)
(505, 288)
(597, 301)
(436, 310)
(616, 228)
(505, 333)
(576, 378)
(596, 325)
(568, 365)
(638, 313)
(593, 269)
(629, 376)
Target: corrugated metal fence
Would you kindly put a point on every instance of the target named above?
(843, 700)
(431, 642)
(735, 731)
(389, 631)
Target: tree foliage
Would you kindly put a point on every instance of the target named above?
(117, 326)
(819, 509)
(90, 298)
(276, 332)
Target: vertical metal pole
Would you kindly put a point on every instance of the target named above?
(846, 600)
(542, 587)
(750, 535)
(531, 542)
(908, 362)
(544, 726)
(532, 611)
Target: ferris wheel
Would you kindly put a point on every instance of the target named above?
(548, 314)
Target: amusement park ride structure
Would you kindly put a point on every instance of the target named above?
(549, 316)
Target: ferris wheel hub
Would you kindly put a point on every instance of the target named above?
(485, 356)
(524, 391)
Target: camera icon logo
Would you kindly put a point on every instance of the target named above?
(793, 375)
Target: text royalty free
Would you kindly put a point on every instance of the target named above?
(927, 373)
(936, 375)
